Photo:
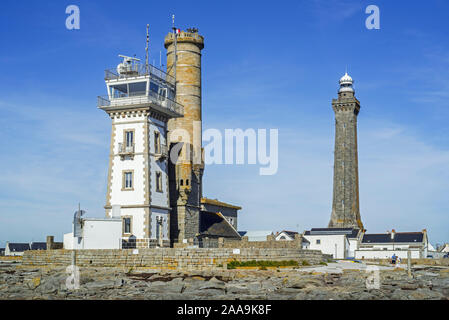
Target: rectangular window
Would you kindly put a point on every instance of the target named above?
(318, 241)
(127, 180)
(127, 225)
(158, 181)
(157, 142)
(129, 138)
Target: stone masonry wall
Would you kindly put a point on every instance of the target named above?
(167, 258)
(269, 243)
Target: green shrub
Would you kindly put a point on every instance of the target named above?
(261, 263)
(305, 263)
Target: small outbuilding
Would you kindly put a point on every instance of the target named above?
(16, 249)
(338, 242)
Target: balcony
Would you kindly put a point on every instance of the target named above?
(143, 99)
(161, 152)
(137, 70)
(125, 151)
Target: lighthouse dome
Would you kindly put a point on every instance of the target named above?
(346, 83)
(346, 79)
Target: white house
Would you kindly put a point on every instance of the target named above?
(333, 241)
(286, 235)
(16, 249)
(385, 245)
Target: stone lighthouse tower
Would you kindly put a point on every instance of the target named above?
(345, 206)
(185, 134)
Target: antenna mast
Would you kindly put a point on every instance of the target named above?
(146, 49)
(175, 34)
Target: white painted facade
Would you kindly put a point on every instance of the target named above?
(133, 201)
(335, 244)
(139, 103)
(384, 246)
(96, 234)
(387, 254)
(353, 246)
(386, 250)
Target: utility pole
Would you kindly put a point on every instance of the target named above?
(409, 263)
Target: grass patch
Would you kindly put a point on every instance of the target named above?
(262, 264)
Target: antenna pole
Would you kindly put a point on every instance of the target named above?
(146, 49)
(175, 34)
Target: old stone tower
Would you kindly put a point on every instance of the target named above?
(186, 175)
(345, 205)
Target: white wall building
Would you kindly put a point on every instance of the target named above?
(385, 245)
(333, 241)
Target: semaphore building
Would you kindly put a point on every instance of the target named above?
(154, 192)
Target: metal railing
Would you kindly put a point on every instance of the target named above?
(139, 98)
(161, 151)
(124, 149)
(139, 69)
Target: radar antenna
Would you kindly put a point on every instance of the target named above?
(129, 65)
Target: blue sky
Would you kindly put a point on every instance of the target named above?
(265, 65)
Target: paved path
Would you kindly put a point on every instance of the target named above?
(340, 265)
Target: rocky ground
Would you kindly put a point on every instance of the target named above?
(336, 281)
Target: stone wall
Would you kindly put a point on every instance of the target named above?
(269, 243)
(167, 258)
(52, 245)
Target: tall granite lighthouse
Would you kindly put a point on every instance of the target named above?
(184, 64)
(345, 206)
